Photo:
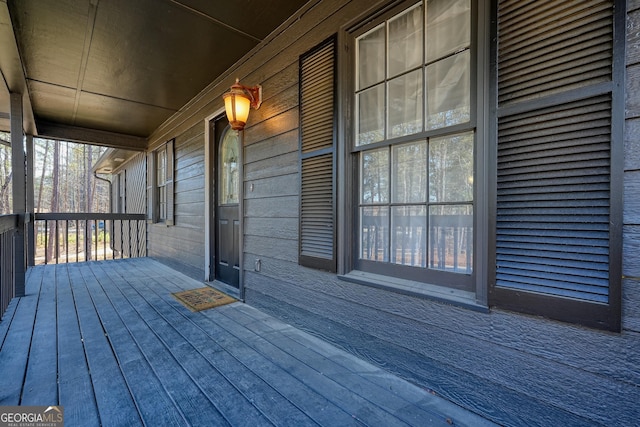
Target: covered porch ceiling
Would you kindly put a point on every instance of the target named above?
(112, 71)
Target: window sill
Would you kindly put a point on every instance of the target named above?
(416, 289)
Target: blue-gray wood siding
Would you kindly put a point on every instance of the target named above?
(631, 228)
(514, 369)
(182, 245)
(134, 173)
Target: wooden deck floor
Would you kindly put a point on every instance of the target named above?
(108, 342)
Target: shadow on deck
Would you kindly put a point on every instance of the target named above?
(108, 342)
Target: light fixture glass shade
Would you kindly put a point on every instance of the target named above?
(237, 105)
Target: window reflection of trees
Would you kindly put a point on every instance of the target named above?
(416, 198)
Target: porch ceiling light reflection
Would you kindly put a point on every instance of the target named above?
(238, 101)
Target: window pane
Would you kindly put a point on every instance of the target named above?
(374, 233)
(451, 168)
(449, 91)
(371, 57)
(405, 41)
(161, 175)
(162, 202)
(409, 235)
(409, 175)
(448, 27)
(405, 104)
(229, 183)
(451, 238)
(375, 176)
(371, 115)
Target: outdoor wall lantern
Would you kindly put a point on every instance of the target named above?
(238, 101)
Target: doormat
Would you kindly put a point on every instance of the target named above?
(203, 298)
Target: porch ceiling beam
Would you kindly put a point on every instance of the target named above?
(91, 136)
(12, 69)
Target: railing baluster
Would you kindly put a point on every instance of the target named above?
(111, 240)
(66, 239)
(137, 238)
(56, 240)
(46, 242)
(455, 248)
(85, 223)
(8, 229)
(87, 241)
(77, 238)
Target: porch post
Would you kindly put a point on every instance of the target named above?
(30, 225)
(19, 186)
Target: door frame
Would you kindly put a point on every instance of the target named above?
(210, 182)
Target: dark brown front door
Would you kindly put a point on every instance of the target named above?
(228, 208)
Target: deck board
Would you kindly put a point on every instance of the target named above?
(336, 370)
(301, 395)
(164, 349)
(230, 401)
(342, 397)
(40, 384)
(15, 350)
(267, 400)
(125, 352)
(114, 401)
(75, 389)
(155, 405)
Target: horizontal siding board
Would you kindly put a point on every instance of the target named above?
(194, 170)
(190, 222)
(567, 344)
(285, 164)
(283, 102)
(277, 248)
(160, 231)
(278, 207)
(287, 228)
(193, 196)
(449, 345)
(632, 86)
(284, 185)
(631, 251)
(272, 147)
(633, 34)
(272, 127)
(631, 200)
(190, 184)
(632, 144)
(631, 304)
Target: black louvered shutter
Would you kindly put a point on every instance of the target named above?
(317, 135)
(554, 144)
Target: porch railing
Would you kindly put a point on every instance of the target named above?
(8, 230)
(78, 237)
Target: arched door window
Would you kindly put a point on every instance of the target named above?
(229, 168)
